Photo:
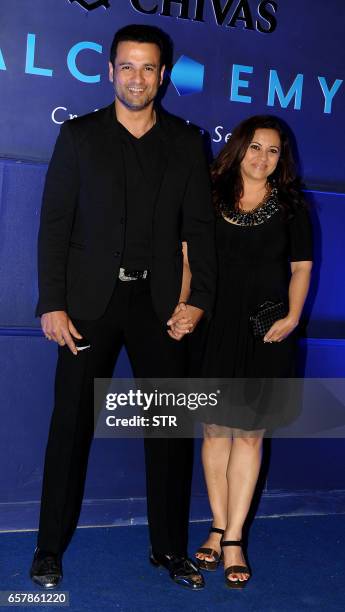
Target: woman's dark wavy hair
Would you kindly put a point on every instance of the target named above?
(227, 181)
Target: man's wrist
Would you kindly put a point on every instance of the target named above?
(196, 307)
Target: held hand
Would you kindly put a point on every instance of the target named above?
(280, 329)
(184, 320)
(58, 326)
(178, 331)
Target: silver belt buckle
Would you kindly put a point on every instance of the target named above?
(124, 277)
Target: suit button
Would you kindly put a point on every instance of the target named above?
(117, 253)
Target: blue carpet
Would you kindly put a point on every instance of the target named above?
(297, 563)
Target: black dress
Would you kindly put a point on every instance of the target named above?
(253, 258)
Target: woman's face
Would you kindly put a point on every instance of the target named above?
(262, 155)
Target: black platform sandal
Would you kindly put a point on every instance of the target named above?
(204, 564)
(235, 569)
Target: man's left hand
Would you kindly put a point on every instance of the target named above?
(184, 320)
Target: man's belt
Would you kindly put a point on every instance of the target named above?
(129, 275)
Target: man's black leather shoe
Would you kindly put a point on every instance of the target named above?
(46, 569)
(181, 570)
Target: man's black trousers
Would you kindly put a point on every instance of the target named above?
(129, 320)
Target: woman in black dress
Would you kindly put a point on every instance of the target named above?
(264, 253)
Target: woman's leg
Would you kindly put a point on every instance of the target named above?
(242, 475)
(215, 458)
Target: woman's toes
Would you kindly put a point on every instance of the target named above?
(239, 577)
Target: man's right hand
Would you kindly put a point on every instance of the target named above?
(58, 326)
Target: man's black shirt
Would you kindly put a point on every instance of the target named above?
(142, 157)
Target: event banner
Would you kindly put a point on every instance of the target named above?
(232, 59)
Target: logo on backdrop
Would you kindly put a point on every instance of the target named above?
(227, 14)
(91, 5)
(187, 77)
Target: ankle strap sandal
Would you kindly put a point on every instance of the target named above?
(210, 565)
(235, 569)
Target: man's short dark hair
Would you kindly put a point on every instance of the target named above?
(142, 34)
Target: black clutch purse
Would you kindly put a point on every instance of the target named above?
(265, 315)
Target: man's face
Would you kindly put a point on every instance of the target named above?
(136, 75)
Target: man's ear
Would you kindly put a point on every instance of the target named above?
(162, 75)
(111, 72)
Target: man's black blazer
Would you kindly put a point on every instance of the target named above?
(83, 218)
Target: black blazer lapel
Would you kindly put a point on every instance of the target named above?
(110, 149)
(167, 140)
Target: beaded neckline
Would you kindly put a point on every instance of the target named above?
(261, 213)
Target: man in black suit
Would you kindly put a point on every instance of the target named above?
(123, 187)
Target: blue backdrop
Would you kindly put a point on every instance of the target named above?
(231, 59)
